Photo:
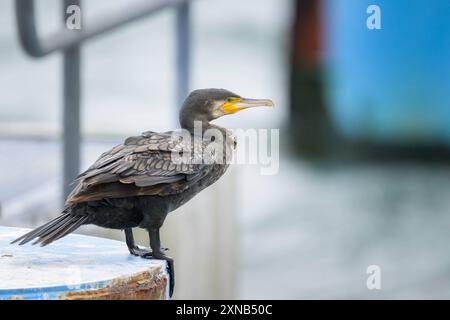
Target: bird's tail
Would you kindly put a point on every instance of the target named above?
(55, 229)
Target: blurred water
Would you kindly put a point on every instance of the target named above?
(322, 226)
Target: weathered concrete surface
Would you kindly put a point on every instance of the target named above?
(77, 267)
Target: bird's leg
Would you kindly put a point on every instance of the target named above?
(158, 253)
(133, 248)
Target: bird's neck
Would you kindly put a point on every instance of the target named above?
(199, 127)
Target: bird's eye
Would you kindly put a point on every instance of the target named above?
(229, 99)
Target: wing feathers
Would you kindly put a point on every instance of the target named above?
(143, 161)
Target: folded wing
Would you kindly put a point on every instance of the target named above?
(142, 165)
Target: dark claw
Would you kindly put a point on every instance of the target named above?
(139, 252)
(162, 256)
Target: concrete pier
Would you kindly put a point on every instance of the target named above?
(77, 267)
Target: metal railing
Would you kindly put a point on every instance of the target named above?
(69, 43)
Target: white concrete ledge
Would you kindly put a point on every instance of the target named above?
(77, 267)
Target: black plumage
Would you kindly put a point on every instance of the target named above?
(137, 183)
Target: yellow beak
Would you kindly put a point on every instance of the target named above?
(238, 104)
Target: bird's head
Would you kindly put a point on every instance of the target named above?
(209, 104)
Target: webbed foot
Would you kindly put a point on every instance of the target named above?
(140, 252)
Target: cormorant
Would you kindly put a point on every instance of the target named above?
(137, 183)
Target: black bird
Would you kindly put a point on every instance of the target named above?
(137, 183)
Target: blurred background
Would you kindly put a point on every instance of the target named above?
(363, 114)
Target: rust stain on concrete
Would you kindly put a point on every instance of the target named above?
(145, 285)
